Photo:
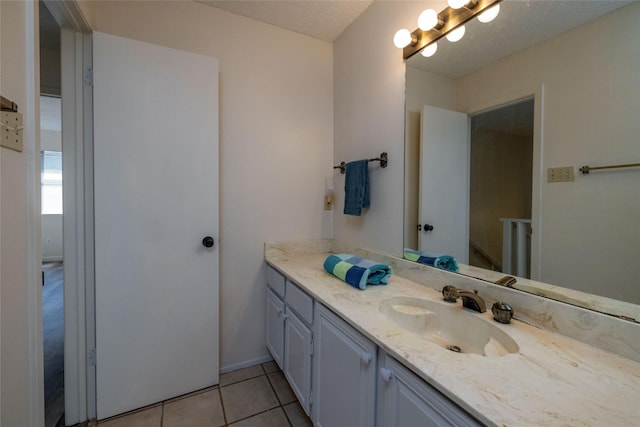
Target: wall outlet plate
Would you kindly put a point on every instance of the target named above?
(561, 174)
(328, 203)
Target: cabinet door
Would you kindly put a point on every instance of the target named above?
(344, 374)
(274, 334)
(297, 358)
(405, 400)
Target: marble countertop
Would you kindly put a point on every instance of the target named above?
(552, 380)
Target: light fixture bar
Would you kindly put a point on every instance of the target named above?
(452, 18)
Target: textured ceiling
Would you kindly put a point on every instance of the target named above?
(520, 24)
(323, 19)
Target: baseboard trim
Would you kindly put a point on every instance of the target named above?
(245, 364)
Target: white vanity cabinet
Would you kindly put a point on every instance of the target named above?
(340, 377)
(298, 344)
(344, 373)
(406, 400)
(288, 335)
(274, 322)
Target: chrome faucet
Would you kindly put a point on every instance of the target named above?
(469, 299)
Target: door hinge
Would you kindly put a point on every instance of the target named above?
(92, 357)
(88, 77)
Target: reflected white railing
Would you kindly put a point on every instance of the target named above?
(516, 247)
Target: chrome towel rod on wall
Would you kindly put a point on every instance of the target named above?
(383, 159)
(586, 169)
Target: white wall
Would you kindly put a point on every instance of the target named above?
(19, 320)
(590, 228)
(276, 142)
(369, 116)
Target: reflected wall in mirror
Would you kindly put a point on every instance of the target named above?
(578, 64)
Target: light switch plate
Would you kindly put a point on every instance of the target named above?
(561, 174)
(11, 135)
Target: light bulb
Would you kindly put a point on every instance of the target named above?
(489, 14)
(402, 38)
(457, 4)
(429, 50)
(456, 34)
(428, 19)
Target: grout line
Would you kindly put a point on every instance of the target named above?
(273, 389)
(287, 417)
(224, 412)
(277, 397)
(259, 413)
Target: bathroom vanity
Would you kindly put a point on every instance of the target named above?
(373, 357)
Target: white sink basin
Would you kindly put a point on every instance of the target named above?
(449, 326)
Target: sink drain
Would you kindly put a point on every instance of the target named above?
(454, 348)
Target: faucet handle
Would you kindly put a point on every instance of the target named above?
(450, 293)
(502, 312)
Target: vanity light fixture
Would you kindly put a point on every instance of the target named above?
(429, 19)
(457, 4)
(403, 38)
(456, 34)
(429, 50)
(448, 23)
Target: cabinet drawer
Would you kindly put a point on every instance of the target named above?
(275, 281)
(300, 302)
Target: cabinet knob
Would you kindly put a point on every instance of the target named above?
(365, 357)
(386, 374)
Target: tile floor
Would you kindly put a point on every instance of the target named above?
(258, 396)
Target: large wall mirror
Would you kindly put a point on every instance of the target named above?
(546, 88)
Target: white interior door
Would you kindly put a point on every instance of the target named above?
(444, 182)
(156, 197)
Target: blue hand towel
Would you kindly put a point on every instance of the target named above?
(356, 187)
(356, 271)
(445, 262)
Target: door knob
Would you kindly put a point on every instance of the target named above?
(428, 227)
(208, 242)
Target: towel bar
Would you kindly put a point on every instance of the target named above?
(383, 159)
(586, 169)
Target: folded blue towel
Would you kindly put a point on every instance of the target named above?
(445, 262)
(356, 187)
(356, 271)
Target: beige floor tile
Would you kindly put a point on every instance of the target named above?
(272, 418)
(283, 390)
(247, 398)
(240, 375)
(199, 410)
(297, 416)
(270, 367)
(151, 417)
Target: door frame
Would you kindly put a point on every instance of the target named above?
(77, 148)
(537, 94)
